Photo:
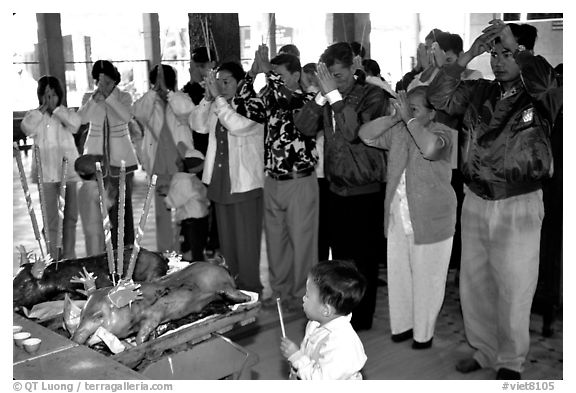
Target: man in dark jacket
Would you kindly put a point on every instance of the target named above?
(505, 155)
(355, 172)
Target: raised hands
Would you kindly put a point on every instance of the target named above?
(402, 106)
(160, 85)
(261, 61)
(212, 89)
(485, 41)
(326, 80)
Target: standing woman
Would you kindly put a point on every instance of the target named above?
(234, 171)
(52, 126)
(108, 112)
(167, 142)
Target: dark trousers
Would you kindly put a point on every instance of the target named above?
(324, 225)
(113, 187)
(195, 233)
(357, 232)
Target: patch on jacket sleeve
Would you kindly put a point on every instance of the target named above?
(527, 115)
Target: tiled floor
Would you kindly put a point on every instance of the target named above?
(386, 360)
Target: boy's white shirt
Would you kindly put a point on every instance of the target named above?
(330, 351)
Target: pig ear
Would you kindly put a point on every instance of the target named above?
(40, 265)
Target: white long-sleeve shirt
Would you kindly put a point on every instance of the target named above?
(54, 137)
(329, 351)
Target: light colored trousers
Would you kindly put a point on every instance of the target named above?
(291, 225)
(498, 276)
(51, 195)
(416, 279)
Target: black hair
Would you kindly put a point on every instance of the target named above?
(448, 42)
(340, 284)
(107, 68)
(54, 84)
(358, 49)
(341, 52)
(200, 55)
(423, 92)
(371, 67)
(433, 34)
(233, 68)
(170, 78)
(291, 62)
(525, 34)
(290, 49)
(310, 68)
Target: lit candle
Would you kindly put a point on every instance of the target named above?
(42, 201)
(105, 221)
(121, 204)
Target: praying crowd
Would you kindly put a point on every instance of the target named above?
(329, 161)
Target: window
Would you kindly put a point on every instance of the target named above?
(524, 17)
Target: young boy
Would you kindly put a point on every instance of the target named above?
(331, 349)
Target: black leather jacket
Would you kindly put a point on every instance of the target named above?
(504, 141)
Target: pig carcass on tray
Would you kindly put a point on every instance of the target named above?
(55, 281)
(169, 298)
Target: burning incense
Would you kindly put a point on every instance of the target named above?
(140, 231)
(42, 199)
(105, 221)
(121, 204)
(61, 203)
(280, 316)
(28, 197)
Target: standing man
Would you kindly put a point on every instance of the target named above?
(355, 172)
(290, 185)
(505, 147)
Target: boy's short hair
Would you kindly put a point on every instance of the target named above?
(339, 52)
(448, 41)
(291, 62)
(421, 91)
(340, 284)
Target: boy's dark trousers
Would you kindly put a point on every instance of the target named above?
(195, 233)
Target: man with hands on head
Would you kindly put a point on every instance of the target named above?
(290, 184)
(505, 154)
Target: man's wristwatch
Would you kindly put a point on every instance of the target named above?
(521, 48)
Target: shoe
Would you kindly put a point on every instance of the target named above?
(468, 365)
(506, 373)
(400, 337)
(422, 345)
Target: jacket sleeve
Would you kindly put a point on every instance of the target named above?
(31, 121)
(121, 103)
(235, 123)
(69, 118)
(447, 92)
(378, 132)
(147, 112)
(348, 121)
(199, 116)
(85, 111)
(435, 143)
(248, 99)
(310, 118)
(541, 83)
(276, 91)
(181, 104)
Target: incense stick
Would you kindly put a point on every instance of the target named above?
(42, 199)
(121, 204)
(105, 221)
(280, 316)
(61, 205)
(26, 190)
(140, 231)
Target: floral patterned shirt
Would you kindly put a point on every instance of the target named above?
(286, 149)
